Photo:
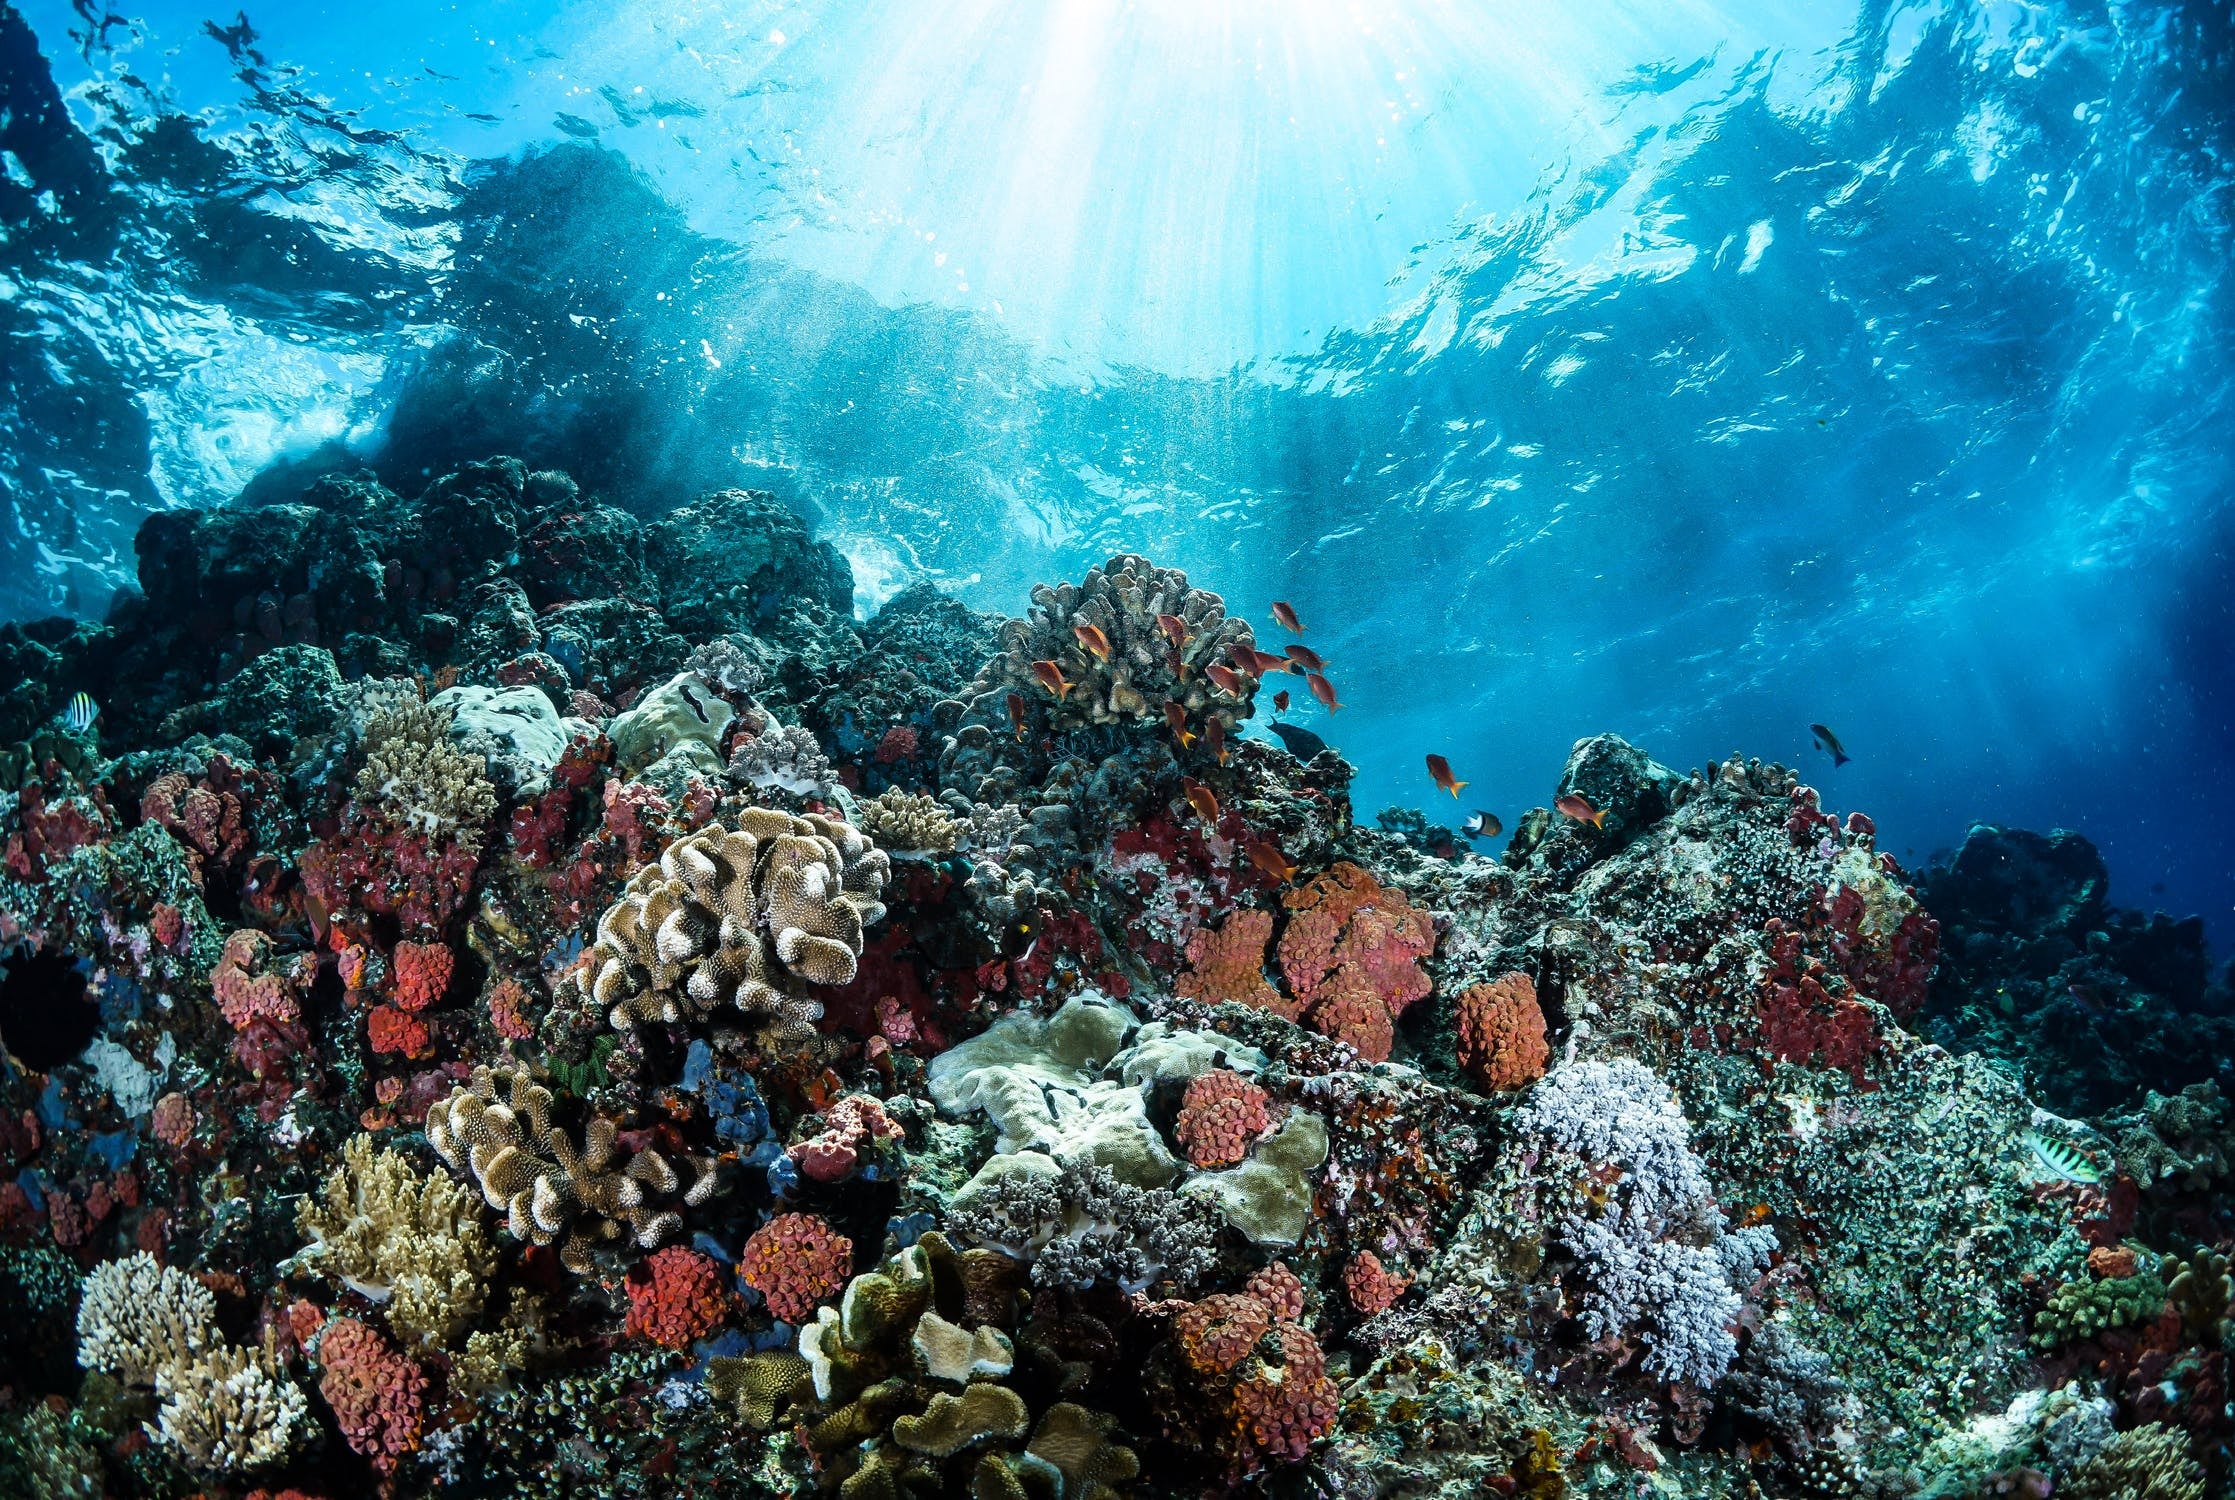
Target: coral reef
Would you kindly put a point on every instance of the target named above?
(513, 999)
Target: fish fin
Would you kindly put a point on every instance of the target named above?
(1456, 788)
(1838, 760)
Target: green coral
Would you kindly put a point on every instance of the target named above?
(2149, 1463)
(2083, 1309)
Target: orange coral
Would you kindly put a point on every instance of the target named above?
(391, 1030)
(1228, 963)
(378, 1395)
(248, 987)
(508, 1010)
(1501, 1033)
(794, 1261)
(1279, 1410)
(1370, 1285)
(1221, 1116)
(1280, 1289)
(422, 973)
(1351, 955)
(676, 1298)
(1217, 1333)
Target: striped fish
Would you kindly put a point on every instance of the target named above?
(2062, 1160)
(81, 712)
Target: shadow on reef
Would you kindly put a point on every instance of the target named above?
(574, 1012)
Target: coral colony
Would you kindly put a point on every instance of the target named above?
(502, 998)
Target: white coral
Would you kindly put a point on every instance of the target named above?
(136, 1318)
(229, 1410)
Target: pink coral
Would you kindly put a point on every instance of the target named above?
(248, 987)
(378, 1396)
(676, 1298)
(1280, 1289)
(422, 973)
(1501, 1033)
(369, 870)
(173, 1120)
(391, 1030)
(1217, 1333)
(1370, 1285)
(1221, 1116)
(1228, 963)
(508, 1010)
(1278, 1410)
(854, 1124)
(1351, 954)
(794, 1261)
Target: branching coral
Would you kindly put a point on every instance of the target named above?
(898, 819)
(230, 1410)
(136, 1318)
(412, 1243)
(732, 917)
(419, 779)
(782, 758)
(1501, 1033)
(500, 1130)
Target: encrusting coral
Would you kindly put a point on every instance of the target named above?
(730, 917)
(1500, 1033)
(500, 1130)
(412, 1244)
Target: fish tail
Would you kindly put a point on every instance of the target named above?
(1838, 760)
(1455, 788)
(1598, 820)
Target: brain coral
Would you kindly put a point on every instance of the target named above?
(733, 917)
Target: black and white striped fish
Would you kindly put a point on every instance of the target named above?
(81, 712)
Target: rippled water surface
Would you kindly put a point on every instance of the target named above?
(1691, 371)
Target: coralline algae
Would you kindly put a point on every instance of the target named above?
(495, 1017)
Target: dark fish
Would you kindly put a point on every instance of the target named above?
(1176, 716)
(1280, 701)
(1214, 737)
(1440, 770)
(1285, 613)
(696, 707)
(1482, 825)
(1096, 643)
(1050, 676)
(1305, 657)
(1826, 740)
(1016, 714)
(1322, 689)
(1580, 809)
(1201, 799)
(1301, 742)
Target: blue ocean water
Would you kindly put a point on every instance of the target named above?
(1692, 371)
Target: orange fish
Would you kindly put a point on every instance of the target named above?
(1258, 664)
(1199, 797)
(1266, 855)
(1176, 716)
(1097, 644)
(1174, 628)
(1016, 714)
(1440, 769)
(1051, 677)
(1322, 689)
(1214, 737)
(1227, 680)
(1580, 809)
(1285, 613)
(1305, 657)
(1280, 700)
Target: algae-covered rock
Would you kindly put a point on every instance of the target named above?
(680, 715)
(735, 558)
(1632, 788)
(516, 731)
(285, 696)
(1269, 1197)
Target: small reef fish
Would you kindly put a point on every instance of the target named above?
(1280, 701)
(1305, 657)
(1259, 664)
(1174, 628)
(1096, 643)
(1016, 714)
(1322, 689)
(81, 712)
(1285, 613)
(1226, 680)
(1266, 855)
(1301, 742)
(1826, 740)
(1580, 809)
(1482, 825)
(1201, 799)
(1176, 716)
(1214, 738)
(2062, 1160)
(1440, 769)
(1050, 676)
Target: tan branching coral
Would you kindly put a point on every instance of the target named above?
(907, 820)
(500, 1131)
(735, 917)
(229, 1410)
(136, 1318)
(413, 1243)
(423, 781)
(1146, 668)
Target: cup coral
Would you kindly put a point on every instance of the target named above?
(1501, 1033)
(676, 1298)
(794, 1261)
(378, 1396)
(1221, 1115)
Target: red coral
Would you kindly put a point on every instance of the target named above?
(900, 743)
(1221, 1116)
(1501, 1033)
(1352, 954)
(167, 926)
(853, 1125)
(173, 1120)
(46, 829)
(1228, 963)
(377, 1394)
(676, 1298)
(248, 988)
(391, 1030)
(1802, 1022)
(1370, 1285)
(422, 973)
(794, 1261)
(369, 869)
(206, 817)
(1217, 1333)
(1279, 1409)
(1280, 1289)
